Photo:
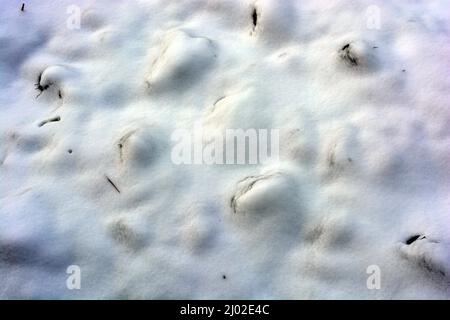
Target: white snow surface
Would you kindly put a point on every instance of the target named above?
(364, 150)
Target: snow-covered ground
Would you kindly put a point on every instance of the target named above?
(356, 207)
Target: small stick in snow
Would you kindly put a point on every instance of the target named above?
(414, 238)
(23, 7)
(218, 100)
(112, 183)
(54, 119)
(254, 18)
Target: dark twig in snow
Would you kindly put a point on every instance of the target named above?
(112, 183)
(414, 238)
(54, 119)
(23, 7)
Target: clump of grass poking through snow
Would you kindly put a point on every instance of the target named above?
(349, 57)
(246, 185)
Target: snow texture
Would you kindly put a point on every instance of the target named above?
(86, 176)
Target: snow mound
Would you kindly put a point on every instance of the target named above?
(92, 93)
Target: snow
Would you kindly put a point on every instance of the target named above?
(87, 179)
